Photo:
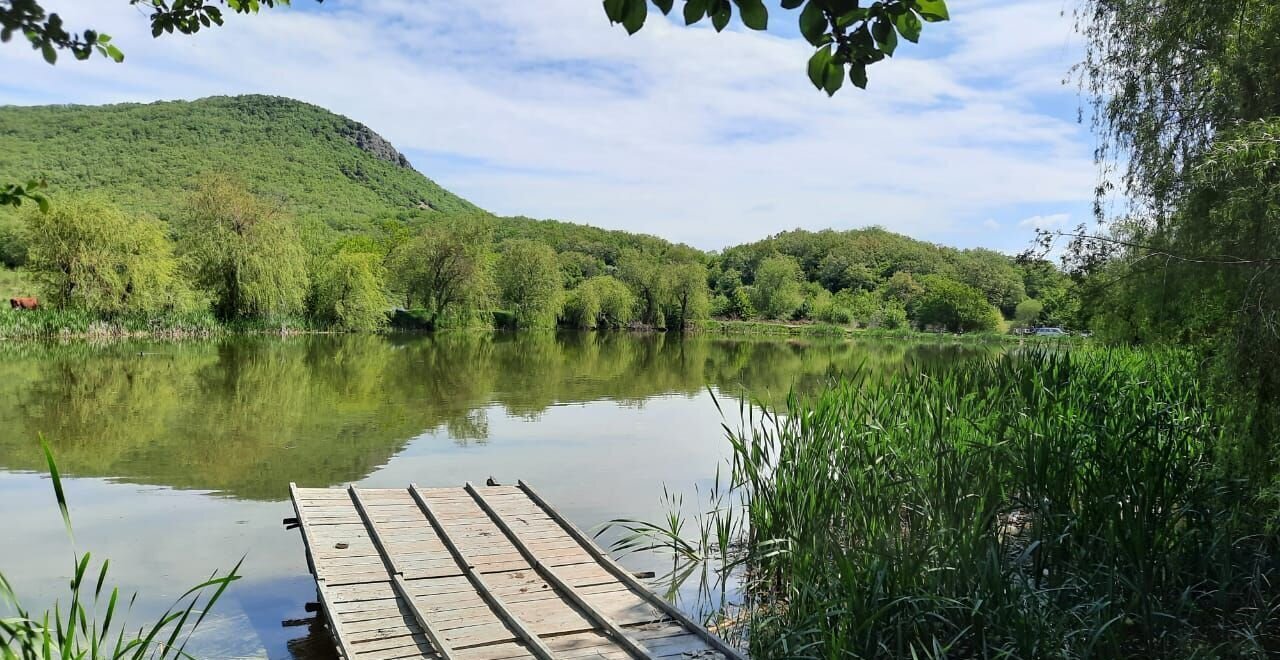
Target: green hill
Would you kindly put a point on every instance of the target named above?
(320, 165)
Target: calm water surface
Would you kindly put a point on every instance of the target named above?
(178, 456)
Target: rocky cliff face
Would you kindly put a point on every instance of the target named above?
(371, 143)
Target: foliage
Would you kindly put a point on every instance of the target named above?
(1033, 505)
(995, 275)
(688, 291)
(13, 242)
(86, 254)
(13, 194)
(446, 270)
(954, 306)
(88, 630)
(848, 36)
(325, 168)
(600, 302)
(777, 287)
(1189, 118)
(529, 283)
(1028, 312)
(246, 254)
(350, 292)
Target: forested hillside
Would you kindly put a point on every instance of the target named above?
(268, 210)
(147, 157)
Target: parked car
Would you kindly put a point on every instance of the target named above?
(1051, 332)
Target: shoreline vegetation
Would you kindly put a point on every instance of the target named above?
(1086, 503)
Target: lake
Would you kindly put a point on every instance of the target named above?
(177, 456)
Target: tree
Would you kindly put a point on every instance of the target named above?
(688, 290)
(1186, 97)
(848, 36)
(845, 35)
(599, 302)
(1028, 312)
(777, 287)
(245, 253)
(13, 241)
(446, 270)
(995, 275)
(954, 306)
(647, 278)
(87, 254)
(529, 283)
(350, 291)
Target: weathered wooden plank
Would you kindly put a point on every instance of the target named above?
(596, 616)
(622, 574)
(535, 644)
(334, 625)
(438, 643)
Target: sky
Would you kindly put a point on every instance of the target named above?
(544, 109)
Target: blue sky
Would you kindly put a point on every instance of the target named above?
(543, 109)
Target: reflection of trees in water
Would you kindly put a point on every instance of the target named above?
(246, 415)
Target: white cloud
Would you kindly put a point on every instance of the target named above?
(990, 223)
(543, 109)
(1046, 221)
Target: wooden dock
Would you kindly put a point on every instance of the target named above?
(478, 573)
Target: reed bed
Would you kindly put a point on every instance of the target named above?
(1034, 505)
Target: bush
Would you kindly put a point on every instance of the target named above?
(954, 306)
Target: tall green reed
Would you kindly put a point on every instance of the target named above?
(92, 624)
(1037, 505)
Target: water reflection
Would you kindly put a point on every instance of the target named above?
(183, 451)
(244, 416)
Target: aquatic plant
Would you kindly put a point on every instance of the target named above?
(92, 624)
(1036, 504)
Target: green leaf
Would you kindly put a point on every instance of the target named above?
(933, 10)
(753, 13)
(614, 9)
(41, 201)
(664, 6)
(791, 4)
(636, 12)
(114, 53)
(908, 26)
(720, 18)
(858, 75)
(694, 10)
(885, 35)
(57, 485)
(50, 55)
(813, 23)
(818, 66)
(833, 77)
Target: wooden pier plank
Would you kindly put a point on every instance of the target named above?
(478, 573)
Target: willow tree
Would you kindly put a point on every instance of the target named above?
(87, 254)
(689, 295)
(446, 271)
(1187, 100)
(529, 283)
(247, 254)
(350, 291)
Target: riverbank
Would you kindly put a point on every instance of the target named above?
(798, 329)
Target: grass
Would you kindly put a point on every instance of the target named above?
(15, 284)
(1040, 505)
(94, 623)
(52, 323)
